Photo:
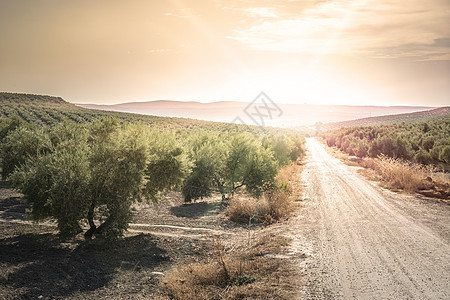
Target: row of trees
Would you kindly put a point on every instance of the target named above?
(424, 142)
(92, 173)
(46, 110)
(240, 160)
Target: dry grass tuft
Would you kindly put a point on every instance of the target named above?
(398, 174)
(285, 175)
(237, 275)
(280, 204)
(243, 209)
(276, 203)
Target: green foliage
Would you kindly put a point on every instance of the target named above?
(167, 165)
(49, 111)
(445, 154)
(117, 162)
(208, 153)
(8, 125)
(282, 148)
(423, 157)
(239, 158)
(262, 168)
(91, 173)
(80, 166)
(230, 162)
(21, 144)
(419, 142)
(245, 279)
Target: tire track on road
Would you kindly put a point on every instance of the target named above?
(366, 245)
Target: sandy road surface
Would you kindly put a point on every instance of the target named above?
(369, 243)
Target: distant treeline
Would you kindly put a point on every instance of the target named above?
(423, 142)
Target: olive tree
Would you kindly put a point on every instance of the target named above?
(207, 153)
(228, 163)
(445, 154)
(92, 174)
(21, 144)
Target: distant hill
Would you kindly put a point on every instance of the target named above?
(226, 111)
(32, 99)
(49, 110)
(432, 114)
(41, 109)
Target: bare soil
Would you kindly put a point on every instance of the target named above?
(35, 264)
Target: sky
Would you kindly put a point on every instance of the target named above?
(353, 52)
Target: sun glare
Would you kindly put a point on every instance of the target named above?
(293, 87)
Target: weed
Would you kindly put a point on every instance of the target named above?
(232, 274)
(399, 174)
(245, 279)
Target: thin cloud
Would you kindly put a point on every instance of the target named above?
(159, 50)
(261, 12)
(374, 28)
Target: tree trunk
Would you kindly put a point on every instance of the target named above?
(222, 192)
(90, 217)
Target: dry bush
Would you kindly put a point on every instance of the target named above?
(399, 174)
(236, 275)
(208, 279)
(242, 209)
(280, 204)
(275, 204)
(285, 175)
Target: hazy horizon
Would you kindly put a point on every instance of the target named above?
(280, 115)
(334, 52)
(248, 101)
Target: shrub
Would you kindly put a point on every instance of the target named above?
(445, 154)
(361, 150)
(199, 280)
(9, 125)
(232, 274)
(423, 157)
(399, 174)
(247, 209)
(275, 204)
(428, 143)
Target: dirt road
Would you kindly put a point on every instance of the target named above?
(365, 242)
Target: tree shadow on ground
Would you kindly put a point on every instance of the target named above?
(4, 184)
(13, 208)
(38, 264)
(192, 210)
